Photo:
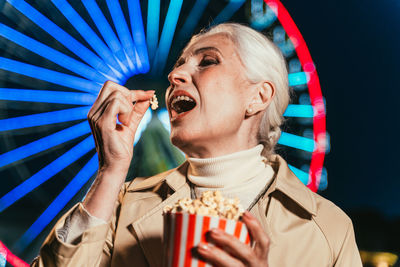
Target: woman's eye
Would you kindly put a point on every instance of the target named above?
(206, 61)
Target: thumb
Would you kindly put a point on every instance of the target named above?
(138, 111)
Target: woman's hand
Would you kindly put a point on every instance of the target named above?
(114, 142)
(229, 251)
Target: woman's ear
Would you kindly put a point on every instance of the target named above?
(265, 91)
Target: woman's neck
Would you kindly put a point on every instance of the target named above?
(242, 174)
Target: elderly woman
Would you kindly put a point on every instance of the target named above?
(235, 88)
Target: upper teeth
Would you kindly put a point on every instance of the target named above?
(181, 97)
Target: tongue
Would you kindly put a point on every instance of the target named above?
(173, 113)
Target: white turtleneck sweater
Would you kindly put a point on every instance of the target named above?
(243, 174)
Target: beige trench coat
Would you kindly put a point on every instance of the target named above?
(304, 228)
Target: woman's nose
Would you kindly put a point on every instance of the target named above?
(179, 76)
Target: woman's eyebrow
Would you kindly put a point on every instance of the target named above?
(203, 49)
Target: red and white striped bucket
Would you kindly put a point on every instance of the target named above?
(183, 232)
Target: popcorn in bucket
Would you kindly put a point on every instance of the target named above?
(186, 225)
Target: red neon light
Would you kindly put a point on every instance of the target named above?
(10, 257)
(314, 90)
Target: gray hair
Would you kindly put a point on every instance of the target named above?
(262, 60)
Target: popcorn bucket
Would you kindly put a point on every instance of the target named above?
(184, 231)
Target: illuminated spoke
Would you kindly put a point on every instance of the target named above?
(105, 29)
(139, 39)
(44, 118)
(51, 54)
(167, 34)
(302, 111)
(44, 143)
(123, 32)
(89, 35)
(47, 172)
(296, 141)
(192, 20)
(153, 21)
(228, 11)
(303, 176)
(297, 78)
(49, 75)
(58, 204)
(46, 96)
(64, 38)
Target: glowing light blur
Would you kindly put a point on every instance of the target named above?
(44, 143)
(44, 118)
(123, 32)
(64, 38)
(153, 20)
(304, 111)
(193, 19)
(313, 84)
(105, 30)
(89, 35)
(261, 15)
(303, 176)
(280, 40)
(47, 172)
(51, 54)
(49, 75)
(296, 141)
(143, 124)
(228, 11)
(139, 38)
(298, 78)
(58, 204)
(167, 34)
(46, 96)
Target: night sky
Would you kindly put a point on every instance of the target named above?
(355, 46)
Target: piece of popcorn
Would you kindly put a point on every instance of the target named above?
(154, 102)
(210, 203)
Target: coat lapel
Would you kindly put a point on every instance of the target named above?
(149, 227)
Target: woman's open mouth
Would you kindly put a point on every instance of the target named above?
(180, 104)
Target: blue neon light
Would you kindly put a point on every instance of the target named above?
(143, 124)
(302, 175)
(44, 143)
(296, 141)
(64, 38)
(89, 35)
(193, 19)
(262, 15)
(47, 172)
(51, 54)
(153, 21)
(228, 11)
(303, 111)
(297, 78)
(285, 45)
(163, 116)
(44, 118)
(46, 96)
(58, 204)
(139, 38)
(105, 30)
(123, 32)
(167, 34)
(49, 75)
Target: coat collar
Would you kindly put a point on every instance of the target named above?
(287, 182)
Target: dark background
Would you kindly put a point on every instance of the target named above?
(355, 46)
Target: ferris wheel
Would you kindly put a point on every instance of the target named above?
(55, 56)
